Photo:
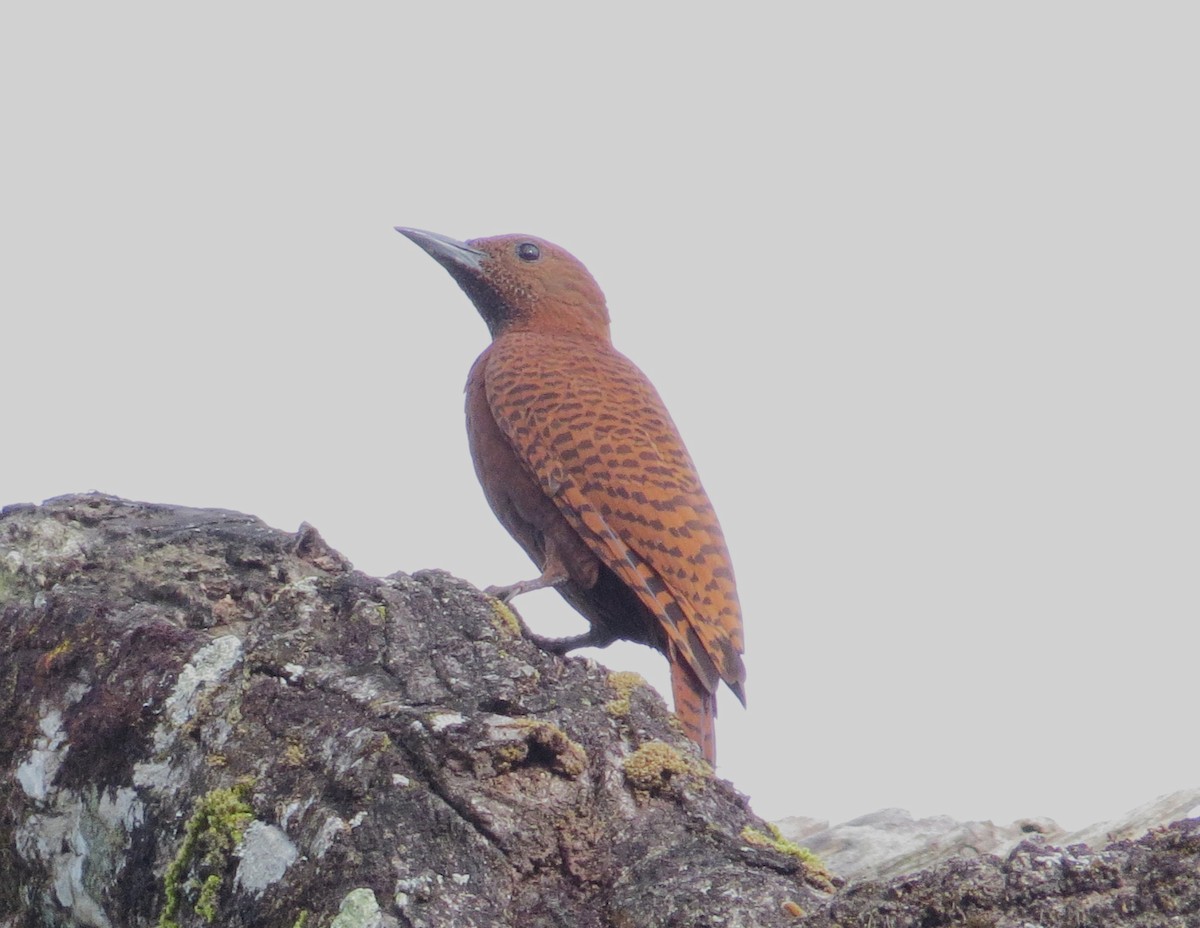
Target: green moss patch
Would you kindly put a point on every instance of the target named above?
(656, 766)
(623, 682)
(773, 838)
(218, 823)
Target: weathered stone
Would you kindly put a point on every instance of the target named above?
(207, 720)
(1150, 883)
(891, 842)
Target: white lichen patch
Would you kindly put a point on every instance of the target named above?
(81, 840)
(36, 773)
(120, 808)
(444, 720)
(266, 853)
(67, 868)
(207, 666)
(294, 812)
(331, 830)
(159, 776)
(360, 909)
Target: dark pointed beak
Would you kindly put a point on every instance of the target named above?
(448, 252)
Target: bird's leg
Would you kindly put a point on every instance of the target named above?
(554, 573)
(594, 637)
(551, 576)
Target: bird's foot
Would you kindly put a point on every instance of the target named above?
(594, 637)
(589, 639)
(510, 592)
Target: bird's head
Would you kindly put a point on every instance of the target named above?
(521, 283)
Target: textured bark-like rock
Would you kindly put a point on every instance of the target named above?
(891, 842)
(206, 720)
(1153, 882)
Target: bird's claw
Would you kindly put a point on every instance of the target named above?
(559, 646)
(511, 591)
(591, 638)
(502, 593)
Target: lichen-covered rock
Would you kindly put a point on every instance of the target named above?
(891, 842)
(208, 721)
(1153, 882)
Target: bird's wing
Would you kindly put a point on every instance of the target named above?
(596, 435)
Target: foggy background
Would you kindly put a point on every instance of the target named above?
(918, 283)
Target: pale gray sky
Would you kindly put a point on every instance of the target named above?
(918, 283)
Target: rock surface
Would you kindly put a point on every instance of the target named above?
(891, 842)
(1150, 883)
(209, 721)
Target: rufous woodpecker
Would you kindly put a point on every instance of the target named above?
(582, 464)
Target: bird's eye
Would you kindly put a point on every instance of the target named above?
(527, 251)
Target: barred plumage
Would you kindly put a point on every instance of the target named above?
(582, 464)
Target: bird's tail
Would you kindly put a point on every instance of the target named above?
(695, 707)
